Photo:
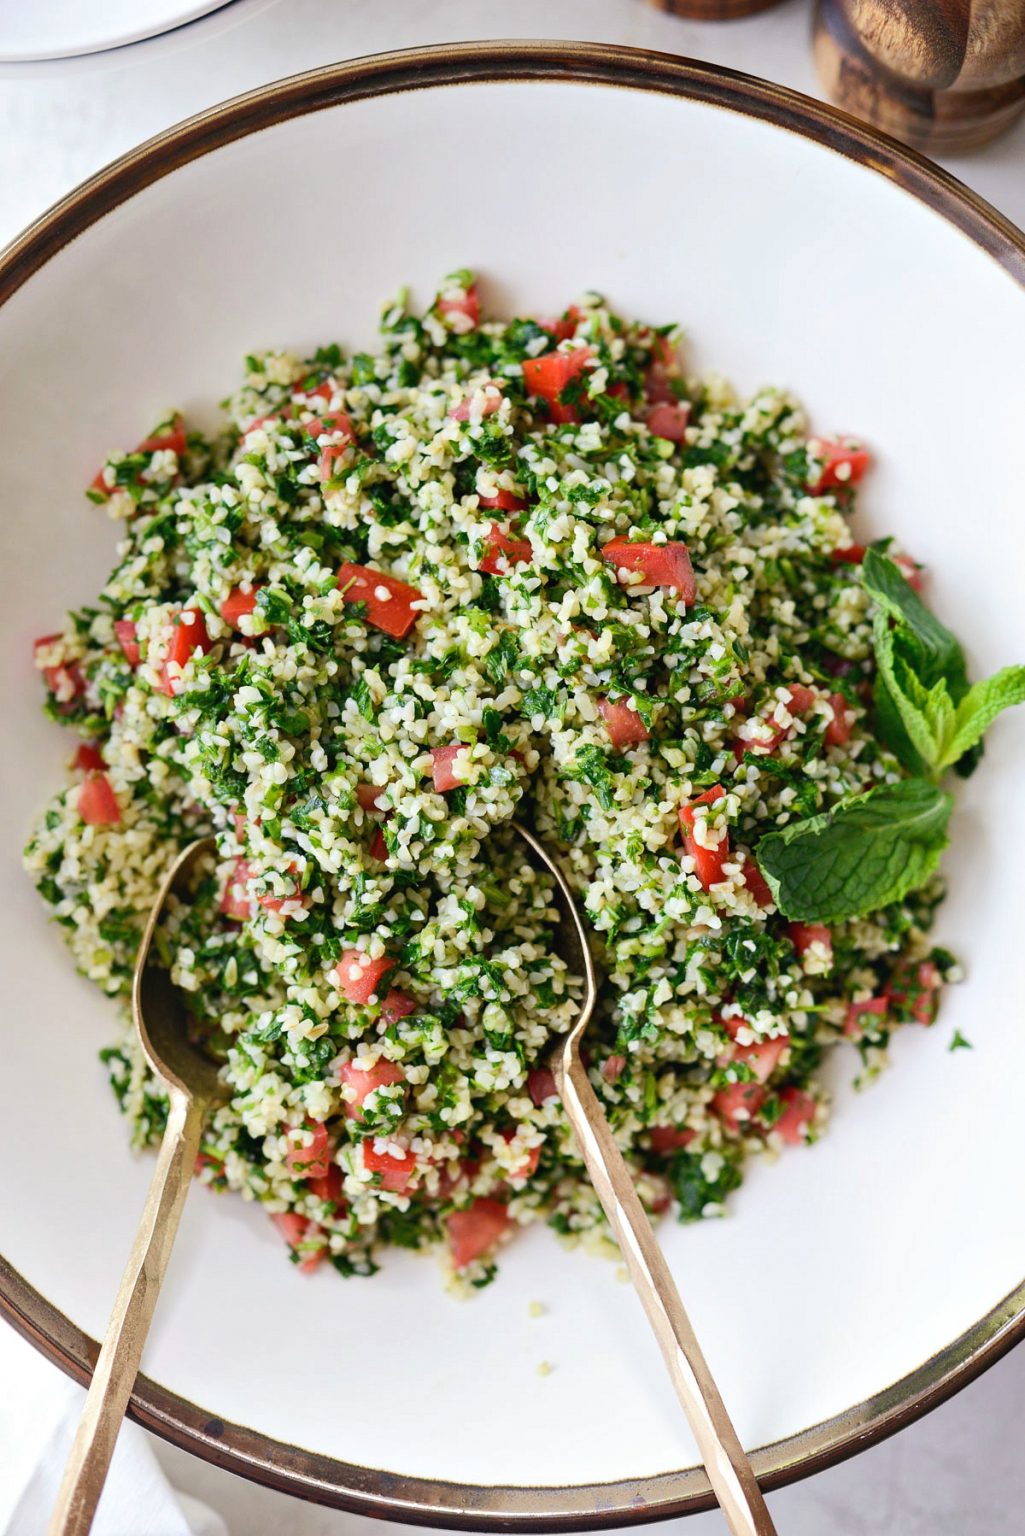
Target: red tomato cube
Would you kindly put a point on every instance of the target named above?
(502, 550)
(313, 1159)
(838, 731)
(97, 803)
(843, 464)
(864, 1015)
(738, 1104)
(666, 1139)
(237, 604)
(362, 1083)
(473, 1232)
(295, 1229)
(804, 935)
(482, 400)
(388, 600)
(397, 1005)
(395, 1172)
(624, 725)
(460, 308)
(188, 637)
(443, 767)
(125, 633)
(756, 883)
(541, 1085)
(659, 565)
(235, 902)
(328, 1187)
(356, 975)
(89, 758)
(708, 862)
(798, 1113)
(547, 377)
(669, 420)
(503, 501)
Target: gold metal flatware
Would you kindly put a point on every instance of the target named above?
(729, 1470)
(193, 1089)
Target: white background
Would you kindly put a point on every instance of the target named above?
(960, 1472)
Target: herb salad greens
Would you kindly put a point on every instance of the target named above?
(492, 569)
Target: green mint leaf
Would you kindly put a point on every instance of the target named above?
(867, 852)
(940, 653)
(924, 715)
(978, 709)
(959, 1043)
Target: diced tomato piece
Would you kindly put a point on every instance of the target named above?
(670, 1138)
(473, 1232)
(669, 420)
(461, 307)
(64, 681)
(798, 702)
(204, 1160)
(910, 570)
(323, 391)
(378, 846)
(660, 565)
(738, 1104)
(797, 1116)
(566, 326)
(920, 987)
(397, 1005)
(395, 1172)
(501, 550)
(838, 731)
(842, 464)
(624, 725)
(762, 1056)
(804, 935)
(801, 698)
(237, 604)
(491, 401)
(612, 1068)
(295, 1229)
(356, 975)
(369, 796)
(337, 422)
(188, 637)
(863, 1015)
(97, 803)
(541, 1085)
(328, 1187)
(503, 501)
(381, 1074)
(174, 438)
(854, 554)
(235, 902)
(548, 376)
(389, 602)
(313, 1160)
(298, 897)
(125, 633)
(443, 767)
(708, 862)
(756, 883)
(89, 758)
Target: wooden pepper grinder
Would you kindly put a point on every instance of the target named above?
(943, 75)
(713, 10)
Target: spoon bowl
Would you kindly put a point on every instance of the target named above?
(158, 1011)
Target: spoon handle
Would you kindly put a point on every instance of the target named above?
(726, 1463)
(118, 1362)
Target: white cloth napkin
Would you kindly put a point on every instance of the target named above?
(39, 1409)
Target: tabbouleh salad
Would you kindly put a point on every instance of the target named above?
(493, 570)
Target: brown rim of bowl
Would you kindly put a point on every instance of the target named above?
(291, 1469)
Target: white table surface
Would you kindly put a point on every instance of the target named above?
(960, 1472)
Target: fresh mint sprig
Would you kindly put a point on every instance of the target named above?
(871, 850)
(866, 852)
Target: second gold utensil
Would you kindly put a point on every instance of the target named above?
(729, 1470)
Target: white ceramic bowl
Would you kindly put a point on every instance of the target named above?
(853, 1283)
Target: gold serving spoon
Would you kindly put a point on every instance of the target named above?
(729, 1470)
(193, 1089)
